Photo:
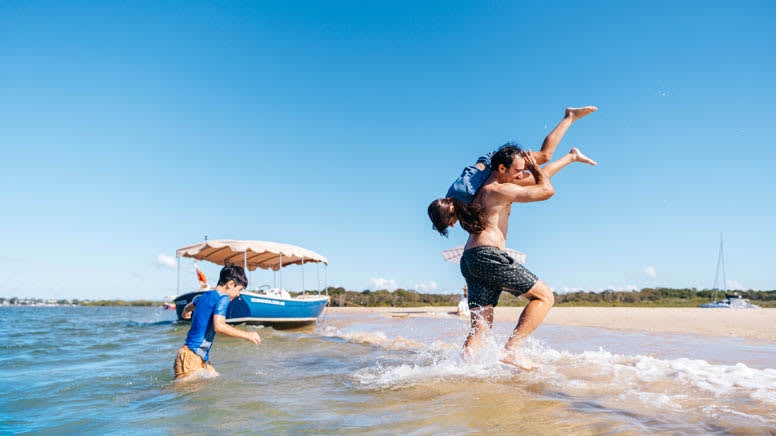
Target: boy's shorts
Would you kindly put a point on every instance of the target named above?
(187, 363)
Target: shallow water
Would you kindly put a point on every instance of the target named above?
(91, 370)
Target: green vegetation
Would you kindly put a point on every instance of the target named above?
(647, 297)
(134, 303)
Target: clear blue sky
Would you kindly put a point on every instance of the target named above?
(134, 128)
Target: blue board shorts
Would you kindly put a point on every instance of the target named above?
(489, 271)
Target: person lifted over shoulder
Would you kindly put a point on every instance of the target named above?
(209, 318)
(462, 191)
(485, 264)
(514, 177)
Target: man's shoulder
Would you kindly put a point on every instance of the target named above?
(493, 187)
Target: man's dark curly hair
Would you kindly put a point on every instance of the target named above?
(505, 155)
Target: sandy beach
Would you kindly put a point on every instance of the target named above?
(756, 324)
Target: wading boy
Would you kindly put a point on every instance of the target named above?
(209, 318)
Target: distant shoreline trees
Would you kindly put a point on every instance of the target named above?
(340, 297)
(647, 297)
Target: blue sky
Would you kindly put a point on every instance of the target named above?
(131, 129)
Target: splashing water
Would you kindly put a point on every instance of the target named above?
(371, 374)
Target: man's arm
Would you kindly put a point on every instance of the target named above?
(550, 169)
(221, 327)
(541, 190)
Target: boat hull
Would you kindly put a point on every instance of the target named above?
(254, 308)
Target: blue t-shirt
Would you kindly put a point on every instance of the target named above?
(202, 333)
(465, 187)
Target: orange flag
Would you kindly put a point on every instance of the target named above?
(201, 277)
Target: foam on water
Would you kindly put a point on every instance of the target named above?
(657, 384)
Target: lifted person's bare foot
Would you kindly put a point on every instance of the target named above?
(519, 361)
(576, 113)
(579, 157)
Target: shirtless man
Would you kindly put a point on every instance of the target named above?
(485, 265)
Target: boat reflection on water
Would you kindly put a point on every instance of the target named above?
(265, 305)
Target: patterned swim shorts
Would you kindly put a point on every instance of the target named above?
(490, 270)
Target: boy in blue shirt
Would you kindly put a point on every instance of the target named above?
(209, 318)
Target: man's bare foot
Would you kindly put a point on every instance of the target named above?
(576, 113)
(520, 362)
(579, 157)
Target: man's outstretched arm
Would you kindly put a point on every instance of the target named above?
(541, 189)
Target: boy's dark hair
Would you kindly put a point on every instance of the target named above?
(234, 273)
(505, 155)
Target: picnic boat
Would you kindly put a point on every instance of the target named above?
(266, 305)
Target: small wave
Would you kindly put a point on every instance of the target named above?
(662, 383)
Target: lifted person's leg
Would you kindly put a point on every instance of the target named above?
(553, 167)
(553, 139)
(540, 301)
(481, 322)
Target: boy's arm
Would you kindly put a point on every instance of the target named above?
(186, 314)
(221, 327)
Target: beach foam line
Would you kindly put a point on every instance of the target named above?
(381, 340)
(660, 382)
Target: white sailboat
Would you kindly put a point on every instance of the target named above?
(730, 301)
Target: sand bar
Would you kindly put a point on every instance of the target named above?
(759, 324)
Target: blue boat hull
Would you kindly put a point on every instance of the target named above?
(261, 309)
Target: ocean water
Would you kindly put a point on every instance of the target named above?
(91, 370)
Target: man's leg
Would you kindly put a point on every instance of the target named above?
(482, 321)
(540, 301)
(553, 139)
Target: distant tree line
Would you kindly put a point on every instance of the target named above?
(647, 297)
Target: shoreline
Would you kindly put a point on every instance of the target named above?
(755, 324)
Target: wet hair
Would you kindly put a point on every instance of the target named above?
(505, 155)
(234, 273)
(442, 211)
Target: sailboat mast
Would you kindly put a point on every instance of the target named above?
(722, 261)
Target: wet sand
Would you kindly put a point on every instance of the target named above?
(754, 324)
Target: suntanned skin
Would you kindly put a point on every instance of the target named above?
(503, 187)
(219, 321)
(553, 139)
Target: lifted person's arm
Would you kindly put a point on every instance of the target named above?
(221, 327)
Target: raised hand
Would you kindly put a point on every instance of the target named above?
(530, 161)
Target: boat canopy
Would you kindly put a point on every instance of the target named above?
(252, 254)
(454, 255)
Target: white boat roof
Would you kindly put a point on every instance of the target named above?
(260, 254)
